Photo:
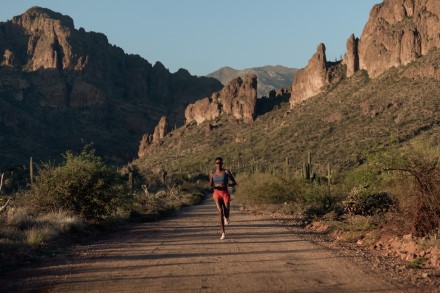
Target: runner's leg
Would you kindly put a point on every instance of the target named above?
(226, 208)
(220, 204)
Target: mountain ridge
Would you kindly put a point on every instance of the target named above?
(270, 77)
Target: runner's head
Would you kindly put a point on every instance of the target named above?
(219, 161)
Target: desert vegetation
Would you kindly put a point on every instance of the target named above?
(399, 183)
(79, 197)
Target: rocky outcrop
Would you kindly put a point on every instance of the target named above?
(9, 59)
(237, 99)
(351, 57)
(309, 80)
(397, 33)
(49, 45)
(160, 131)
(154, 139)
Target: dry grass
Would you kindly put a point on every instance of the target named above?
(21, 228)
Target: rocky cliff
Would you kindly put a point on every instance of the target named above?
(62, 86)
(311, 80)
(397, 33)
(236, 99)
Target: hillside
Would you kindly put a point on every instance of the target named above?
(63, 87)
(269, 77)
(342, 125)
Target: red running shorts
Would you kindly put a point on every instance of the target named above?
(222, 194)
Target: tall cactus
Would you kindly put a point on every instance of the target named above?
(31, 171)
(130, 182)
(286, 168)
(307, 168)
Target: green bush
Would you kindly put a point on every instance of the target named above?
(82, 184)
(363, 202)
(315, 198)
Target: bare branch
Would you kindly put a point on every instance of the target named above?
(3, 207)
(1, 182)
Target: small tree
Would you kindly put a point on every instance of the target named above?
(83, 184)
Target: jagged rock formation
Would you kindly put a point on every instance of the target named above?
(155, 139)
(237, 99)
(269, 77)
(55, 79)
(310, 80)
(397, 33)
(351, 57)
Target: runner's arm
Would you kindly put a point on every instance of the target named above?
(211, 182)
(233, 182)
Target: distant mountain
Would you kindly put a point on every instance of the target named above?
(61, 87)
(269, 77)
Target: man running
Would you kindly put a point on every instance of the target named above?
(219, 181)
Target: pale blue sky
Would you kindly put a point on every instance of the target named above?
(203, 35)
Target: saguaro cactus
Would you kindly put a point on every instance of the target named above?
(130, 182)
(307, 168)
(31, 171)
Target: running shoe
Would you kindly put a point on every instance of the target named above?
(227, 221)
(223, 236)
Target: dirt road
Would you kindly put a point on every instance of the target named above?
(184, 254)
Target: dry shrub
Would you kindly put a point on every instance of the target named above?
(419, 167)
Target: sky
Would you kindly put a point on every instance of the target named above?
(205, 35)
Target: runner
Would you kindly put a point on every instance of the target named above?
(219, 181)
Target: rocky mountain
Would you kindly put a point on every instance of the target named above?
(370, 100)
(61, 87)
(269, 77)
(397, 32)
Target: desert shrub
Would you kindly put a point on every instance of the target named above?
(82, 184)
(418, 165)
(315, 198)
(363, 202)
(264, 188)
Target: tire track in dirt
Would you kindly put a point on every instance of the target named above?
(184, 254)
